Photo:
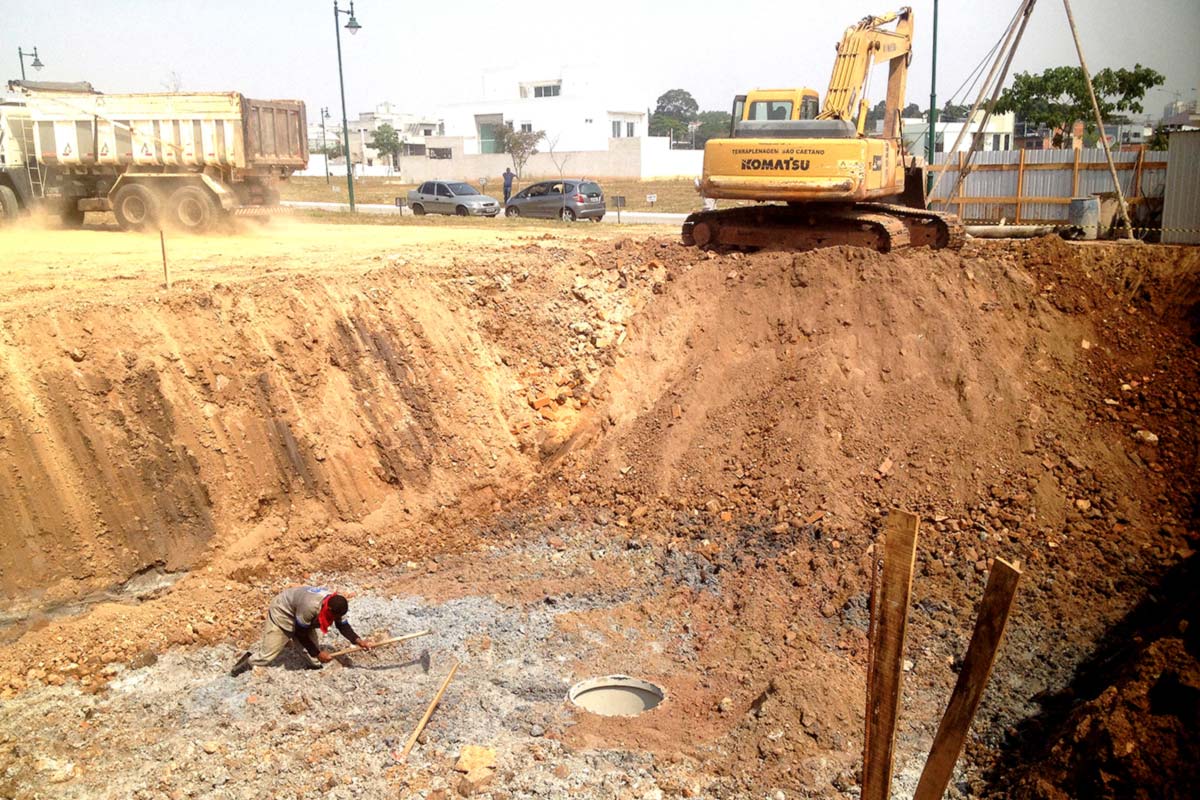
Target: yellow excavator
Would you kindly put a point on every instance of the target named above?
(821, 181)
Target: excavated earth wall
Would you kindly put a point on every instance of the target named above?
(683, 458)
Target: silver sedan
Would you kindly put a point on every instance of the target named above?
(451, 197)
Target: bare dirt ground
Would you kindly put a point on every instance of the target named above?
(576, 452)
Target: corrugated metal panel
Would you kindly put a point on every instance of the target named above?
(1181, 204)
(1058, 184)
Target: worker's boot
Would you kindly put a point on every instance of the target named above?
(243, 665)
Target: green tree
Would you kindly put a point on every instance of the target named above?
(912, 111)
(953, 112)
(1158, 141)
(713, 125)
(1058, 97)
(877, 111)
(677, 104)
(519, 145)
(665, 125)
(386, 142)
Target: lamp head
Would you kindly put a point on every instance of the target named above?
(352, 25)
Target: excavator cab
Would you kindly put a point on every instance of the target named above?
(779, 105)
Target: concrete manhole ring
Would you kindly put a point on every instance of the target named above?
(616, 695)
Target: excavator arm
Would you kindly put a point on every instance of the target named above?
(862, 46)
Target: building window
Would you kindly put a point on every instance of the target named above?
(1007, 141)
(428, 132)
(441, 152)
(616, 126)
(995, 141)
(526, 127)
(629, 129)
(547, 90)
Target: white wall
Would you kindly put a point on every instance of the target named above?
(660, 161)
(645, 158)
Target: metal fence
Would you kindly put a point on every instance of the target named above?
(1181, 209)
(1036, 186)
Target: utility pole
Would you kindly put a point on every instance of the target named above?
(931, 148)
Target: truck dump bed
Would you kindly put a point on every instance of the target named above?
(168, 130)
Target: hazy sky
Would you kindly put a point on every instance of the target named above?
(417, 54)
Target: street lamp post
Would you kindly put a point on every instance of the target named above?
(352, 26)
(36, 63)
(325, 147)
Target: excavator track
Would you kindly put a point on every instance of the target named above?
(879, 226)
(936, 229)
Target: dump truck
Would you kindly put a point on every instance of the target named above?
(184, 159)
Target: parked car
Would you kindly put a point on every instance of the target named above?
(451, 197)
(569, 200)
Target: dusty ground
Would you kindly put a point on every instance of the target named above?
(576, 452)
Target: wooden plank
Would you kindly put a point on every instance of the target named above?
(962, 177)
(1134, 190)
(1049, 166)
(1007, 200)
(1020, 186)
(889, 618)
(972, 679)
(437, 698)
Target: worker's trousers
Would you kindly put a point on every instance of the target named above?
(274, 639)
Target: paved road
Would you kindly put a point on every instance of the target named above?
(627, 217)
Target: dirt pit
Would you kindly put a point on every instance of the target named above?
(571, 453)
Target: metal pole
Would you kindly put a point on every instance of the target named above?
(324, 147)
(931, 149)
(1087, 78)
(345, 126)
(21, 55)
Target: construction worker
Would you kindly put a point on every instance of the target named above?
(296, 614)
(508, 181)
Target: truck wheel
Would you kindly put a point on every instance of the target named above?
(8, 205)
(135, 207)
(191, 209)
(418, 210)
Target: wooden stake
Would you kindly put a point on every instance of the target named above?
(889, 618)
(428, 713)
(1087, 79)
(393, 640)
(972, 679)
(162, 240)
(1020, 185)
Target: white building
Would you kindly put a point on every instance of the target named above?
(996, 135)
(577, 108)
(596, 127)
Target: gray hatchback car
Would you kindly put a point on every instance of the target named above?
(568, 200)
(451, 197)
